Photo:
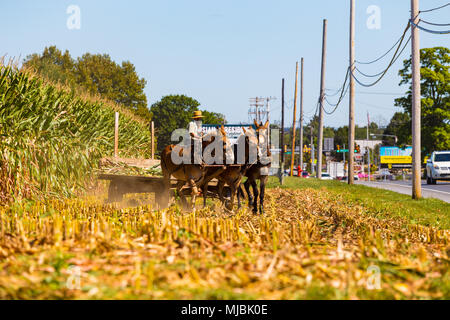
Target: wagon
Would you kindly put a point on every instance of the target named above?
(122, 184)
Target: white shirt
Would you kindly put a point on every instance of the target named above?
(195, 127)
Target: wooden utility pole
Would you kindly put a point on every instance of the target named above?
(312, 149)
(351, 113)
(116, 135)
(368, 147)
(153, 140)
(301, 116)
(282, 122)
(293, 123)
(416, 108)
(322, 96)
(282, 131)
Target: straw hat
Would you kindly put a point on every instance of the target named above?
(197, 115)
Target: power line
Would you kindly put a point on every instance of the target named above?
(368, 75)
(436, 24)
(429, 10)
(381, 93)
(374, 106)
(386, 53)
(393, 60)
(428, 30)
(338, 103)
(343, 90)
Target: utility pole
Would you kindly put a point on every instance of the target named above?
(282, 131)
(312, 150)
(153, 140)
(368, 147)
(351, 113)
(415, 52)
(293, 124)
(261, 110)
(116, 134)
(322, 96)
(301, 117)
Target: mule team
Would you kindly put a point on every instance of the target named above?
(249, 157)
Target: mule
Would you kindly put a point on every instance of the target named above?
(257, 171)
(232, 175)
(190, 175)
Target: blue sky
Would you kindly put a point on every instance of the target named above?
(224, 52)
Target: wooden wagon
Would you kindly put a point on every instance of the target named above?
(122, 184)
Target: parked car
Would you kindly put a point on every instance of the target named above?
(326, 176)
(438, 167)
(288, 172)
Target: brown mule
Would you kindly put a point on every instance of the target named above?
(257, 171)
(233, 174)
(192, 175)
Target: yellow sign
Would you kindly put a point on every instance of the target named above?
(396, 159)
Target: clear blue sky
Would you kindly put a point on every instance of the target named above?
(224, 52)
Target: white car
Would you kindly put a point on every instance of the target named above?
(326, 176)
(438, 167)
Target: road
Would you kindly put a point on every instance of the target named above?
(441, 190)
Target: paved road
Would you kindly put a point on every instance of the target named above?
(441, 190)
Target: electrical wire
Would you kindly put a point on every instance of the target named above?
(436, 24)
(429, 10)
(393, 60)
(398, 42)
(337, 104)
(386, 53)
(334, 94)
(368, 75)
(428, 30)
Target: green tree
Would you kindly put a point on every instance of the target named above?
(174, 112)
(400, 126)
(54, 65)
(97, 74)
(119, 83)
(435, 91)
(213, 117)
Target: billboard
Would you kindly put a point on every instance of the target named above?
(233, 130)
(395, 155)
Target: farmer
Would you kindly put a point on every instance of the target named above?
(195, 131)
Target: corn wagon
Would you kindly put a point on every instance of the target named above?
(120, 185)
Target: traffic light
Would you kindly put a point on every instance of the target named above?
(285, 148)
(338, 147)
(358, 149)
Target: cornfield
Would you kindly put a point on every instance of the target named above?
(309, 244)
(52, 137)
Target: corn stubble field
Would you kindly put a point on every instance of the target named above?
(309, 244)
(57, 242)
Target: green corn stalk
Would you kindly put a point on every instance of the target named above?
(52, 137)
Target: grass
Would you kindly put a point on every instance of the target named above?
(378, 202)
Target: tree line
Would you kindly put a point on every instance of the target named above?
(98, 74)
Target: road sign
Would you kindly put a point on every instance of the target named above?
(345, 150)
(328, 144)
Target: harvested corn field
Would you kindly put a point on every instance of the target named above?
(309, 244)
